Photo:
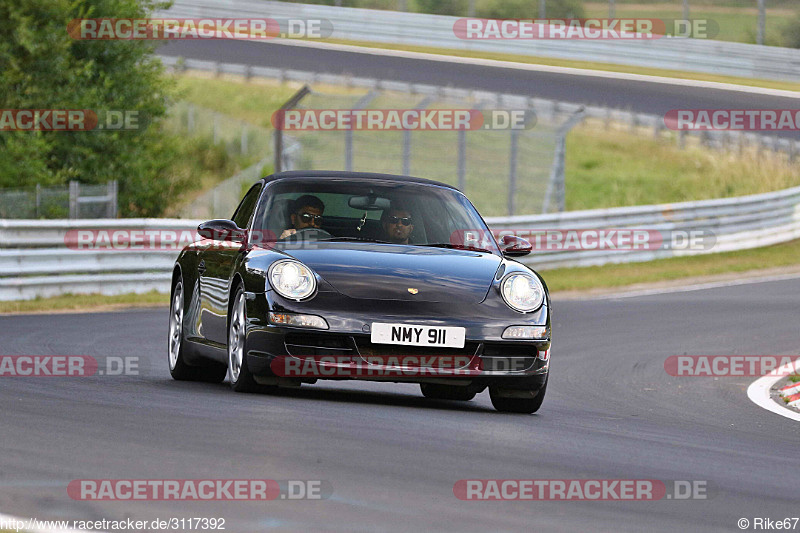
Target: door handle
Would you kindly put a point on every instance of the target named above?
(201, 268)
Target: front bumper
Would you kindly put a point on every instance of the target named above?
(345, 351)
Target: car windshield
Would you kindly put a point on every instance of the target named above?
(371, 211)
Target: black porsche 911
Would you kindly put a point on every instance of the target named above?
(342, 275)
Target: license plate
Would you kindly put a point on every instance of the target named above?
(418, 335)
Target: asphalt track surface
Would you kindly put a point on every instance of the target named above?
(639, 96)
(392, 456)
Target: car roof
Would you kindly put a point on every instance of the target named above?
(334, 174)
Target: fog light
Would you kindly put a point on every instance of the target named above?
(301, 321)
(525, 332)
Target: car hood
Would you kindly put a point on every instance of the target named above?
(394, 272)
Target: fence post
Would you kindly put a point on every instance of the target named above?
(215, 128)
(348, 134)
(278, 135)
(557, 184)
(512, 172)
(407, 139)
(38, 200)
(74, 192)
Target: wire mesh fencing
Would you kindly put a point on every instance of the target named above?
(505, 155)
(72, 201)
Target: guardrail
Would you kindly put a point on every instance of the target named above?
(35, 261)
(356, 24)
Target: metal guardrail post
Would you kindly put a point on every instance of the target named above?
(74, 193)
(111, 207)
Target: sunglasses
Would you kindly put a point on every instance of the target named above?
(308, 217)
(406, 221)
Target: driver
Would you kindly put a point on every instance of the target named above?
(397, 224)
(306, 213)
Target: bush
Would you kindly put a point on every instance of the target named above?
(790, 33)
(44, 68)
(457, 8)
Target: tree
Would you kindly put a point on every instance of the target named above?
(44, 68)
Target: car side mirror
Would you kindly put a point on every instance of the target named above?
(513, 246)
(222, 230)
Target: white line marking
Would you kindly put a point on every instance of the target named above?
(537, 68)
(758, 392)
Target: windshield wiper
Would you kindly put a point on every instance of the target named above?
(456, 247)
(356, 239)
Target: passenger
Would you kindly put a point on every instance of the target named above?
(306, 213)
(397, 225)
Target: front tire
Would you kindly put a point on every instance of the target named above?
(241, 378)
(517, 405)
(446, 392)
(178, 368)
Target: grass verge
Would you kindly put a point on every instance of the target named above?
(605, 167)
(85, 302)
(673, 268)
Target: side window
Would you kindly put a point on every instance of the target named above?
(246, 208)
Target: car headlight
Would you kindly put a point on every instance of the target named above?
(522, 292)
(292, 279)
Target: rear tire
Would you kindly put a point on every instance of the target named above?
(517, 405)
(178, 368)
(241, 378)
(446, 392)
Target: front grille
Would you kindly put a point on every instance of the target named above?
(379, 352)
(300, 344)
(507, 357)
